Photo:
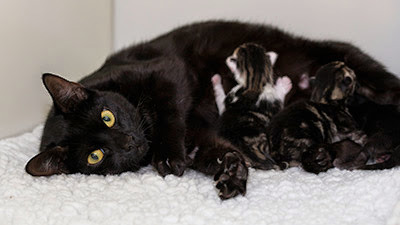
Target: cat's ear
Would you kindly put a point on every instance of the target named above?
(273, 56)
(66, 94)
(48, 163)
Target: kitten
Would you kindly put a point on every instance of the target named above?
(300, 134)
(248, 108)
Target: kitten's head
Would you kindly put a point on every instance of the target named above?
(96, 132)
(333, 82)
(252, 65)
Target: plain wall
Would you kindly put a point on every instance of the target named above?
(372, 25)
(70, 37)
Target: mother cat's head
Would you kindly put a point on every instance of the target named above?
(90, 132)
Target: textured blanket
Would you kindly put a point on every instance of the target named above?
(273, 197)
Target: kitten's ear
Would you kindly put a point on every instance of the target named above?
(273, 56)
(66, 94)
(48, 163)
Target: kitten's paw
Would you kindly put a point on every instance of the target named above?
(304, 82)
(216, 79)
(232, 178)
(379, 148)
(283, 86)
(318, 160)
(355, 163)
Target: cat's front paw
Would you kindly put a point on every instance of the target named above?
(283, 86)
(231, 179)
(317, 160)
(167, 166)
(178, 165)
(161, 166)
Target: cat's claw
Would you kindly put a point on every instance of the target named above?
(283, 86)
(231, 179)
(170, 166)
(177, 166)
(161, 167)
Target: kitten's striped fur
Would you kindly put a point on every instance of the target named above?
(252, 103)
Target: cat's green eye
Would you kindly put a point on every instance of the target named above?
(108, 118)
(95, 156)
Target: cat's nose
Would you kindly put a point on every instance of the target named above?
(131, 143)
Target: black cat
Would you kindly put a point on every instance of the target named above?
(160, 95)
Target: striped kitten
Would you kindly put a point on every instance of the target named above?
(320, 133)
(248, 108)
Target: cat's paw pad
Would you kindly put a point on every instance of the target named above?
(378, 149)
(304, 82)
(216, 79)
(283, 86)
(232, 178)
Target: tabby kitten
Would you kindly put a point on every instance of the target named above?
(245, 114)
(249, 106)
(301, 133)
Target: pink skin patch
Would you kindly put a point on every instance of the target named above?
(383, 158)
(283, 86)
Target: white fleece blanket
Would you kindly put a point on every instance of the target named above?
(273, 197)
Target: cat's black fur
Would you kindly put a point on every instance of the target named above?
(171, 76)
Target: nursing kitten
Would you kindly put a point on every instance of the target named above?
(248, 108)
(301, 133)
